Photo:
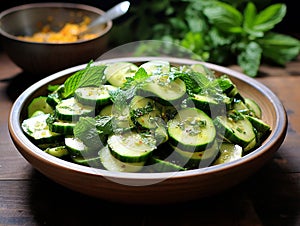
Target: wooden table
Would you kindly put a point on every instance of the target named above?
(270, 197)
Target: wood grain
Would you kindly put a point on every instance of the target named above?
(269, 197)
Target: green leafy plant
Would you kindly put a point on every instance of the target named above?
(222, 32)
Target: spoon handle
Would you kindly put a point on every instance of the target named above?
(114, 12)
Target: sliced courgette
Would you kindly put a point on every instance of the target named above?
(191, 130)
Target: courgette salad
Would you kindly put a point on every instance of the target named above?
(151, 117)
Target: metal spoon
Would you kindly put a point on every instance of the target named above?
(114, 12)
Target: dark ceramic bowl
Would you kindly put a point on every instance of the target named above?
(47, 58)
(154, 188)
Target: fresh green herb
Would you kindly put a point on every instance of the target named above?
(90, 76)
(221, 32)
(86, 130)
(139, 77)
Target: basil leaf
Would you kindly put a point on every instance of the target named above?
(249, 58)
(225, 17)
(249, 20)
(269, 17)
(279, 48)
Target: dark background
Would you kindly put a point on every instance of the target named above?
(289, 25)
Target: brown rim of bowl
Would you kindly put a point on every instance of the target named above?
(20, 138)
(54, 5)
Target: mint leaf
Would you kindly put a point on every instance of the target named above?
(249, 59)
(90, 76)
(139, 77)
(85, 130)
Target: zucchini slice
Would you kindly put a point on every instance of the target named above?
(71, 110)
(116, 73)
(236, 128)
(131, 146)
(111, 163)
(94, 96)
(191, 130)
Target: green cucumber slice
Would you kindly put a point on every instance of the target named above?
(228, 152)
(157, 165)
(254, 107)
(111, 163)
(156, 67)
(116, 73)
(197, 159)
(163, 88)
(71, 110)
(94, 96)
(39, 104)
(37, 129)
(131, 146)
(106, 110)
(236, 128)
(263, 129)
(59, 151)
(62, 127)
(191, 130)
(90, 161)
(144, 112)
(75, 146)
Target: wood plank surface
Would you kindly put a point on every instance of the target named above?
(269, 197)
